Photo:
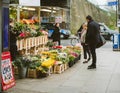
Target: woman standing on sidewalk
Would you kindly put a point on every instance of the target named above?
(56, 34)
(85, 46)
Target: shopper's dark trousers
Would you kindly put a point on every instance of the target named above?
(93, 53)
(86, 51)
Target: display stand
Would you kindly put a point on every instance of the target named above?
(32, 45)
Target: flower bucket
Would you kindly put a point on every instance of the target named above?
(22, 72)
(71, 63)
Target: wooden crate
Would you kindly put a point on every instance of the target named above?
(50, 71)
(59, 68)
(31, 42)
(28, 43)
(65, 66)
(32, 73)
(24, 44)
(18, 45)
(40, 40)
(36, 41)
(15, 70)
(46, 39)
(22, 52)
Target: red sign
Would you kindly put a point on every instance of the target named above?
(8, 80)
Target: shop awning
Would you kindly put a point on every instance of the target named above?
(56, 3)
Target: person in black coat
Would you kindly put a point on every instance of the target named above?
(92, 39)
(56, 34)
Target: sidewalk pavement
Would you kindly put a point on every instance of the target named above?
(105, 79)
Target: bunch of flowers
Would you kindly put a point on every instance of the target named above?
(22, 35)
(22, 61)
(44, 32)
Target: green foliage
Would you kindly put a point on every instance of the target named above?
(39, 33)
(77, 51)
(35, 64)
(64, 60)
(18, 27)
(71, 58)
(27, 61)
(22, 62)
(13, 13)
(44, 69)
(50, 44)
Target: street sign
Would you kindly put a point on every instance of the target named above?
(112, 3)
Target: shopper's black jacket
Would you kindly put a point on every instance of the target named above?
(92, 35)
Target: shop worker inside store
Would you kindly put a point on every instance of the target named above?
(56, 34)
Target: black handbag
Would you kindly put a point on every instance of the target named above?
(101, 41)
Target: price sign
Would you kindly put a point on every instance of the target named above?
(8, 80)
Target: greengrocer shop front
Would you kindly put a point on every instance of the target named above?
(56, 11)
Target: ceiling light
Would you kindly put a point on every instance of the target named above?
(47, 10)
(26, 8)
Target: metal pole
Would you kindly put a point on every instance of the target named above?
(18, 13)
(119, 12)
(0, 42)
(116, 13)
(39, 16)
(119, 20)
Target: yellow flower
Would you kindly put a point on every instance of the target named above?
(48, 63)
